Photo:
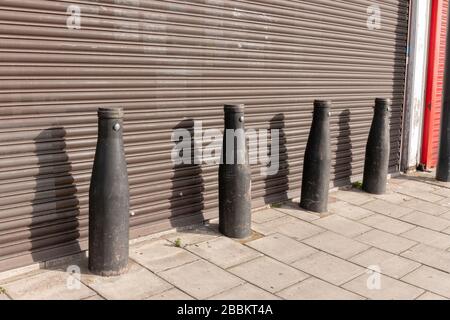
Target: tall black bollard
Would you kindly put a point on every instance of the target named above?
(443, 166)
(234, 177)
(377, 150)
(109, 199)
(317, 161)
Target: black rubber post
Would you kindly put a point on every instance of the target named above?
(234, 177)
(443, 166)
(317, 161)
(377, 150)
(109, 199)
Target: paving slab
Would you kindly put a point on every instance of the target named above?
(440, 184)
(416, 184)
(430, 256)
(246, 291)
(266, 215)
(387, 224)
(160, 255)
(282, 248)
(398, 179)
(10, 275)
(388, 263)
(425, 207)
(392, 197)
(171, 294)
(349, 211)
(96, 297)
(443, 192)
(316, 289)
(387, 208)
(430, 279)
(292, 209)
(201, 279)
(386, 241)
(47, 285)
(137, 284)
(429, 237)
(418, 190)
(329, 268)
(444, 203)
(224, 252)
(430, 296)
(353, 196)
(425, 177)
(342, 226)
(296, 254)
(193, 236)
(426, 220)
(336, 244)
(289, 226)
(390, 289)
(445, 216)
(268, 274)
(4, 297)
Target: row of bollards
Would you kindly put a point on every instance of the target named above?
(317, 159)
(109, 193)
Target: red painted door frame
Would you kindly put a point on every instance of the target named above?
(435, 79)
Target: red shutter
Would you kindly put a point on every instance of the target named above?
(436, 65)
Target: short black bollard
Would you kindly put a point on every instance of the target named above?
(109, 199)
(377, 150)
(317, 161)
(234, 177)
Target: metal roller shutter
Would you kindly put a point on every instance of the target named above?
(168, 63)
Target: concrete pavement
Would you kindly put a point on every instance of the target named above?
(393, 246)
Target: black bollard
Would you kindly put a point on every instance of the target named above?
(443, 165)
(317, 161)
(109, 199)
(234, 177)
(377, 150)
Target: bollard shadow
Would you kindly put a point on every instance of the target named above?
(55, 212)
(277, 184)
(344, 155)
(187, 183)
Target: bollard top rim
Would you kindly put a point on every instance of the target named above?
(384, 101)
(238, 108)
(383, 104)
(110, 113)
(322, 103)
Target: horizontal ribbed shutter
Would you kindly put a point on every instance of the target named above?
(169, 63)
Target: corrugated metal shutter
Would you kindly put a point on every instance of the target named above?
(435, 83)
(168, 63)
